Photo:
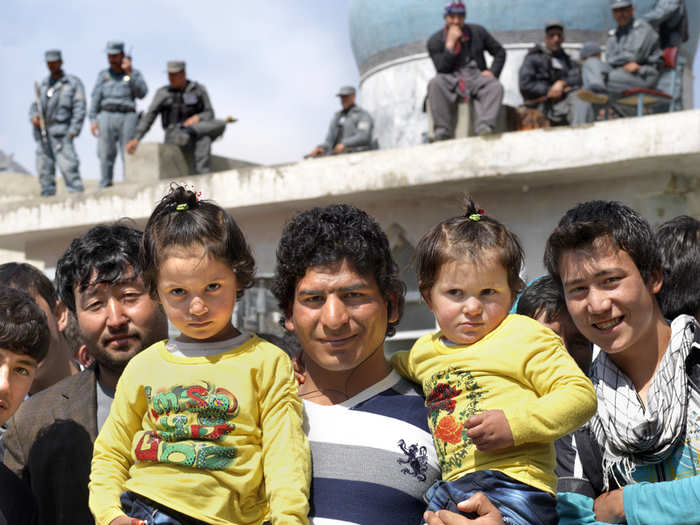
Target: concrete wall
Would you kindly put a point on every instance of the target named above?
(527, 179)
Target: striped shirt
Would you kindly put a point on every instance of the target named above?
(372, 456)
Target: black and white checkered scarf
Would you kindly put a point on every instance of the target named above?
(630, 434)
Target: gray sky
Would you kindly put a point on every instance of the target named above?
(273, 65)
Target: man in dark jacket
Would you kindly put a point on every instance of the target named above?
(457, 51)
(549, 75)
(187, 117)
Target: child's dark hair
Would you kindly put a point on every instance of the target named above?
(23, 327)
(181, 219)
(679, 247)
(470, 234)
(591, 221)
(543, 296)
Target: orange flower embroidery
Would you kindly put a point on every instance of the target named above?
(448, 429)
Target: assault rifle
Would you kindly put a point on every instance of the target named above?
(41, 113)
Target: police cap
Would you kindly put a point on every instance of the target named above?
(114, 47)
(176, 66)
(617, 4)
(345, 90)
(52, 55)
(552, 24)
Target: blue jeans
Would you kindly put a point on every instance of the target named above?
(136, 506)
(518, 503)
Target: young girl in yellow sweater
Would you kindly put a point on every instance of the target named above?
(500, 389)
(205, 427)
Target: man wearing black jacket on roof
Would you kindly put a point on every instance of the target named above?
(549, 79)
(457, 51)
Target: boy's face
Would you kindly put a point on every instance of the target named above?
(16, 375)
(607, 298)
(578, 346)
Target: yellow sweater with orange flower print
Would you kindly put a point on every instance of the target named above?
(522, 368)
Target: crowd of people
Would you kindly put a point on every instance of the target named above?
(559, 88)
(582, 407)
(573, 400)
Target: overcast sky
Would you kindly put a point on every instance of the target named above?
(274, 65)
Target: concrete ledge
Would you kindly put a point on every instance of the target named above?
(663, 144)
(154, 161)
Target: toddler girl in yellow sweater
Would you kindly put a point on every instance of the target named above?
(205, 427)
(500, 388)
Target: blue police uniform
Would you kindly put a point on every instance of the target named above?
(63, 106)
(113, 107)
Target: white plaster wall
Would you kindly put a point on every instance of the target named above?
(532, 213)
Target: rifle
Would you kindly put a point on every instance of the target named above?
(42, 116)
(535, 101)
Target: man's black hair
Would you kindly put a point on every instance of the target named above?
(593, 221)
(323, 236)
(107, 253)
(23, 327)
(29, 279)
(542, 296)
(679, 246)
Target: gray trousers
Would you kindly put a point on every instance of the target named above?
(603, 78)
(58, 149)
(197, 148)
(570, 110)
(599, 76)
(444, 90)
(116, 129)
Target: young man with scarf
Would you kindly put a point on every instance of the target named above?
(457, 51)
(647, 376)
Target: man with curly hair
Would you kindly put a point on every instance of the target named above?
(338, 288)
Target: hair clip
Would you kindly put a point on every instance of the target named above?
(182, 207)
(476, 217)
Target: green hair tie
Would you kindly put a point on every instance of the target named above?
(182, 207)
(476, 217)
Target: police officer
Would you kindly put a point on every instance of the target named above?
(670, 19)
(350, 129)
(62, 100)
(549, 74)
(634, 58)
(112, 114)
(186, 115)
